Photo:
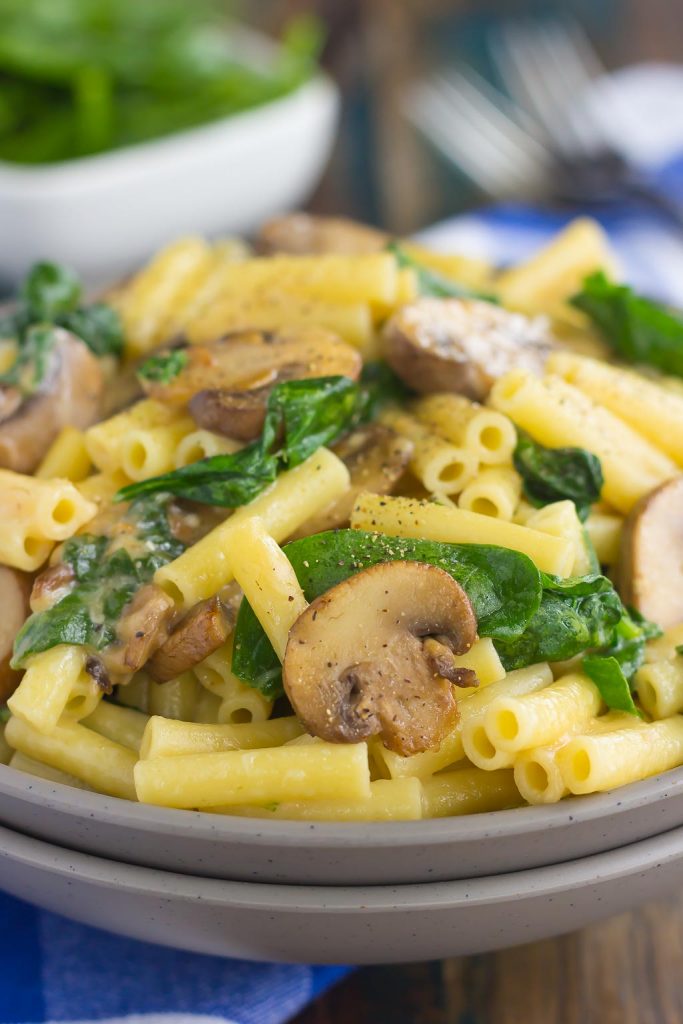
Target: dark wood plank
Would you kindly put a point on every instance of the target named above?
(627, 970)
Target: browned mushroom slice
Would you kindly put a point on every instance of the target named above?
(650, 570)
(356, 664)
(376, 457)
(143, 628)
(247, 360)
(70, 395)
(15, 588)
(304, 233)
(201, 632)
(236, 414)
(51, 586)
(462, 345)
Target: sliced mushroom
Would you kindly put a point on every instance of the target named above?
(650, 570)
(15, 588)
(252, 361)
(376, 457)
(462, 345)
(202, 631)
(304, 233)
(70, 395)
(357, 665)
(143, 628)
(51, 586)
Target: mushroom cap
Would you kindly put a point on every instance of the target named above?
(650, 569)
(356, 666)
(462, 345)
(376, 458)
(245, 360)
(70, 395)
(304, 234)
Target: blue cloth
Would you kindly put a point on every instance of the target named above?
(55, 970)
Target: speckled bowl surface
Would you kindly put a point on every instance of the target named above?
(302, 853)
(352, 924)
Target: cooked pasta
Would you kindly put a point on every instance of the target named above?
(388, 552)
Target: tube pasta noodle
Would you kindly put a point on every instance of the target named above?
(55, 684)
(319, 772)
(67, 457)
(30, 766)
(593, 764)
(484, 660)
(488, 434)
(389, 800)
(494, 492)
(208, 707)
(537, 772)
(100, 488)
(475, 740)
(659, 686)
(296, 495)
(150, 451)
(351, 321)
(268, 580)
(122, 725)
(653, 411)
(72, 748)
(176, 699)
(664, 647)
(556, 413)
(202, 444)
(145, 302)
(164, 737)
(544, 283)
(408, 517)
(105, 441)
(561, 520)
(468, 791)
(604, 531)
(441, 467)
(471, 707)
(517, 723)
(34, 514)
(237, 702)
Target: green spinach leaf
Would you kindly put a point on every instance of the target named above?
(613, 669)
(49, 291)
(555, 474)
(504, 587)
(32, 365)
(106, 577)
(432, 283)
(575, 615)
(99, 326)
(638, 329)
(163, 368)
(302, 416)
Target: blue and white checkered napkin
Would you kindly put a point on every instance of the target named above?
(55, 970)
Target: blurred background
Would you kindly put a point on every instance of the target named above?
(381, 169)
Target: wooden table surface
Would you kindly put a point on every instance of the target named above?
(627, 970)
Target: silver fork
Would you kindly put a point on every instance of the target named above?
(481, 131)
(547, 67)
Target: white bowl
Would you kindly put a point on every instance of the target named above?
(346, 853)
(104, 215)
(381, 924)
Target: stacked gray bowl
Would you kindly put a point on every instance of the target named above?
(338, 893)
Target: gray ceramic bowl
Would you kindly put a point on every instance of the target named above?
(246, 849)
(338, 925)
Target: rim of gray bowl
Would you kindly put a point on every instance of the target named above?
(262, 831)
